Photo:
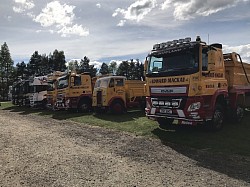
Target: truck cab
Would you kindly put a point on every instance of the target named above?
(74, 91)
(117, 94)
(38, 91)
(52, 88)
(186, 83)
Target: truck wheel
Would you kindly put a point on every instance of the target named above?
(238, 114)
(84, 106)
(218, 117)
(117, 107)
(165, 123)
(44, 104)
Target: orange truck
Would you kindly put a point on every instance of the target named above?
(52, 88)
(117, 94)
(191, 82)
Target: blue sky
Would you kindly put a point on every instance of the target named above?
(106, 30)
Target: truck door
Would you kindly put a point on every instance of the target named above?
(120, 88)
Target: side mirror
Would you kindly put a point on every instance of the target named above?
(145, 67)
(72, 80)
(145, 64)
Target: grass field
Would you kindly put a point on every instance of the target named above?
(233, 139)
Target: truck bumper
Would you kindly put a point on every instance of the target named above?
(182, 114)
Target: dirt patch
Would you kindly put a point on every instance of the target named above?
(40, 151)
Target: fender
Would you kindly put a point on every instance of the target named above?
(217, 94)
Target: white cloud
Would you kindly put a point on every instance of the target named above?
(96, 64)
(61, 16)
(121, 23)
(185, 9)
(242, 50)
(73, 30)
(98, 5)
(55, 13)
(136, 11)
(23, 5)
(166, 4)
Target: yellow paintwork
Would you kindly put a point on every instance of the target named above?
(234, 71)
(203, 82)
(53, 77)
(126, 92)
(75, 91)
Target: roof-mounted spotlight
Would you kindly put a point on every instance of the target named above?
(175, 41)
(198, 39)
(188, 39)
(156, 46)
(180, 40)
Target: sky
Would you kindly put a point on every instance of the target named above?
(106, 30)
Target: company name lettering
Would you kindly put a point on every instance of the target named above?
(165, 80)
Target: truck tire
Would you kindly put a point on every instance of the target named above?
(117, 107)
(44, 104)
(84, 106)
(216, 123)
(165, 123)
(238, 114)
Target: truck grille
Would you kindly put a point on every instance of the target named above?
(177, 103)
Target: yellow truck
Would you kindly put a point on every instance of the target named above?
(74, 91)
(52, 88)
(117, 94)
(190, 82)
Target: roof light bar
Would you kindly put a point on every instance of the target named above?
(173, 43)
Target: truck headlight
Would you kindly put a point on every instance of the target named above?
(194, 106)
(167, 103)
(155, 103)
(175, 104)
(67, 101)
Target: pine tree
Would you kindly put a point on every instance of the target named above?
(33, 66)
(123, 69)
(112, 67)
(6, 70)
(104, 69)
(57, 61)
(85, 67)
(21, 70)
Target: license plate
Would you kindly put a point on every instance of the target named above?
(166, 111)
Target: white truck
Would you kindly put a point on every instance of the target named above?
(38, 91)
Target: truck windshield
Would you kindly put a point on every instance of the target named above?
(102, 83)
(176, 62)
(63, 82)
(37, 88)
(51, 86)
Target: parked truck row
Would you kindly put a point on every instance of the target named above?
(187, 82)
(72, 91)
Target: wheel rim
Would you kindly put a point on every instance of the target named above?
(84, 106)
(239, 113)
(218, 119)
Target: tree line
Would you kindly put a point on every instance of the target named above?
(132, 70)
(42, 64)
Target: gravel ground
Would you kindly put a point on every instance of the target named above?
(40, 151)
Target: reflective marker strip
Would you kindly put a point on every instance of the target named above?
(152, 110)
(181, 113)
